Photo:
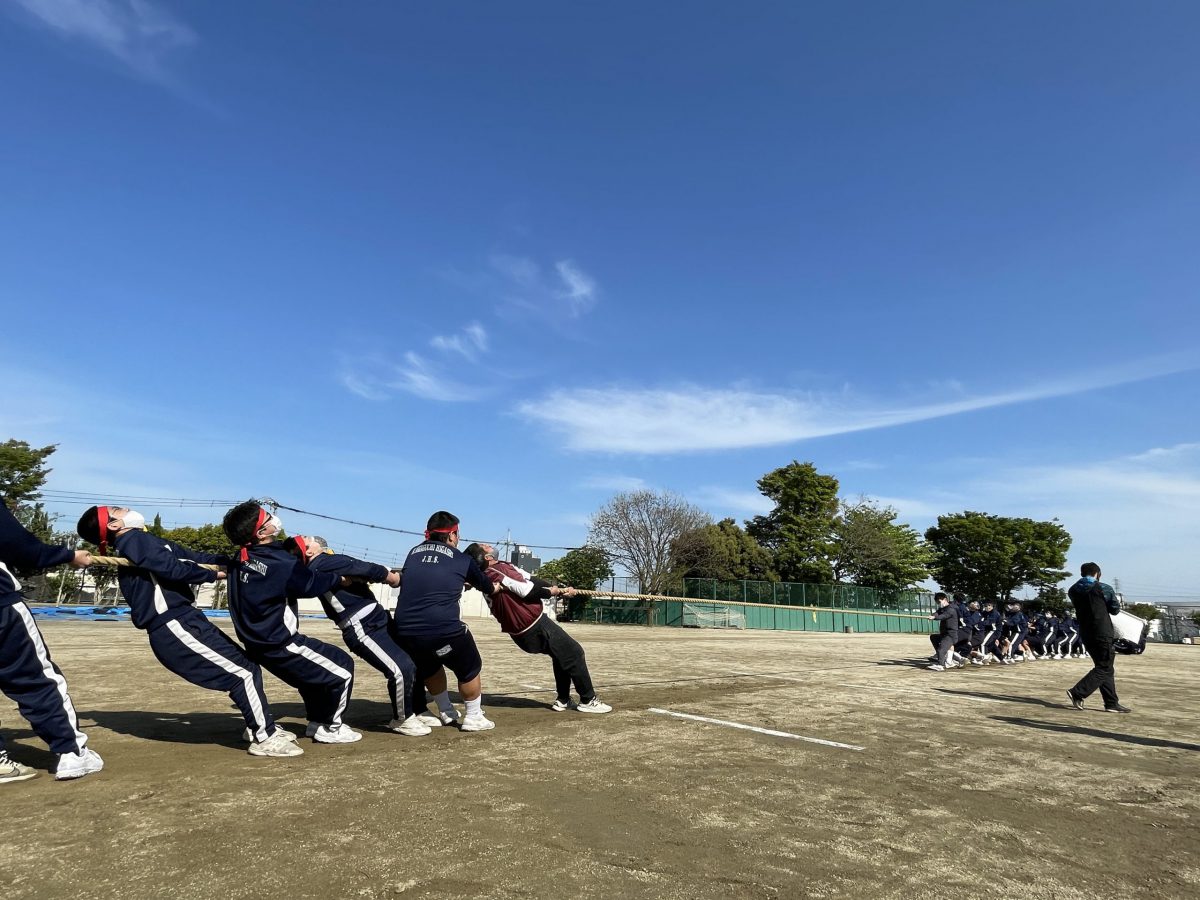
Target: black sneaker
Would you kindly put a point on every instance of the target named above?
(1076, 703)
(1117, 708)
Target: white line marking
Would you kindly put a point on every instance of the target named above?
(533, 687)
(786, 734)
(930, 694)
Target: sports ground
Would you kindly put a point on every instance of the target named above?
(974, 783)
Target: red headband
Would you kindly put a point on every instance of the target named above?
(302, 545)
(102, 522)
(429, 532)
(262, 518)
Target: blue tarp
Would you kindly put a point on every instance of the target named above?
(114, 613)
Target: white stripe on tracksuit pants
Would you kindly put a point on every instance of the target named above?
(322, 673)
(31, 679)
(377, 648)
(200, 653)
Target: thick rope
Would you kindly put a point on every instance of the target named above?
(122, 562)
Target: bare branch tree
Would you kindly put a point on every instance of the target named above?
(637, 529)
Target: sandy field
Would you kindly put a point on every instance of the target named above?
(968, 784)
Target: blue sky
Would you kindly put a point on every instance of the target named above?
(505, 259)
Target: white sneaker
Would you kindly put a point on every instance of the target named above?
(428, 718)
(11, 770)
(332, 734)
(978, 662)
(560, 705)
(76, 765)
(276, 745)
(448, 718)
(595, 705)
(477, 723)
(412, 726)
(248, 735)
(936, 668)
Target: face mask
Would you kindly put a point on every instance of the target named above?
(134, 519)
(1089, 579)
(274, 520)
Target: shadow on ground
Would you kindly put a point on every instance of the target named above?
(1096, 732)
(1007, 698)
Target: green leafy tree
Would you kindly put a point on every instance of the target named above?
(22, 471)
(799, 530)
(872, 549)
(1195, 617)
(206, 538)
(1050, 598)
(990, 557)
(637, 528)
(1147, 611)
(722, 551)
(585, 568)
(156, 527)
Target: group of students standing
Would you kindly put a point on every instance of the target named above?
(978, 632)
(412, 648)
(981, 633)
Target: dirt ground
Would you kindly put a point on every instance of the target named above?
(972, 783)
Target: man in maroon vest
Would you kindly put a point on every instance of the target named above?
(518, 607)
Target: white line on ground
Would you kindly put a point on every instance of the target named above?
(533, 687)
(754, 728)
(930, 694)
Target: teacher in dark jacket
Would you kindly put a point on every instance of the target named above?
(1095, 603)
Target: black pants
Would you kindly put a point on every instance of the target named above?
(1103, 674)
(547, 636)
(945, 644)
(323, 674)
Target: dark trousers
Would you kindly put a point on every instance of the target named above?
(199, 652)
(323, 674)
(1103, 674)
(945, 644)
(375, 645)
(30, 679)
(547, 636)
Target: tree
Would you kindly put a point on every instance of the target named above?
(156, 527)
(871, 548)
(990, 557)
(798, 531)
(1050, 598)
(583, 568)
(1147, 611)
(22, 471)
(722, 551)
(637, 529)
(1195, 617)
(206, 538)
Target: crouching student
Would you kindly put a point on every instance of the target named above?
(264, 584)
(947, 618)
(28, 676)
(365, 624)
(161, 603)
(519, 609)
(427, 622)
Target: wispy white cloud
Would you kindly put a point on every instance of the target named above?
(614, 483)
(579, 289)
(139, 33)
(693, 418)
(568, 292)
(472, 341)
(727, 501)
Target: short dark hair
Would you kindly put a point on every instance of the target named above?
(476, 552)
(939, 596)
(1089, 570)
(440, 523)
(960, 598)
(88, 526)
(240, 523)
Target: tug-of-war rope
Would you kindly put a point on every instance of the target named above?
(121, 562)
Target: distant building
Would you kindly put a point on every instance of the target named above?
(523, 558)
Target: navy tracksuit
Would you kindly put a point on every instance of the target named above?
(989, 641)
(161, 603)
(366, 627)
(1017, 629)
(262, 603)
(28, 676)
